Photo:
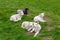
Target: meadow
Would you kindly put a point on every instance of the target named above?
(13, 31)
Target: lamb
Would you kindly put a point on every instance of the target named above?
(17, 17)
(26, 25)
(40, 17)
(31, 26)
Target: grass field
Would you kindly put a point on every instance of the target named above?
(13, 31)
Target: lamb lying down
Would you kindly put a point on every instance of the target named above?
(39, 18)
(31, 26)
(17, 17)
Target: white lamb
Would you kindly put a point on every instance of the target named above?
(17, 17)
(32, 26)
(27, 25)
(39, 18)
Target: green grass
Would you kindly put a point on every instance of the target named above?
(13, 31)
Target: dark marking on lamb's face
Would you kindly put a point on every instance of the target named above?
(25, 11)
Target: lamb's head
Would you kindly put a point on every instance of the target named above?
(20, 12)
(42, 18)
(24, 25)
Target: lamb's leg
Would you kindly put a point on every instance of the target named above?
(36, 34)
(29, 29)
(32, 30)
